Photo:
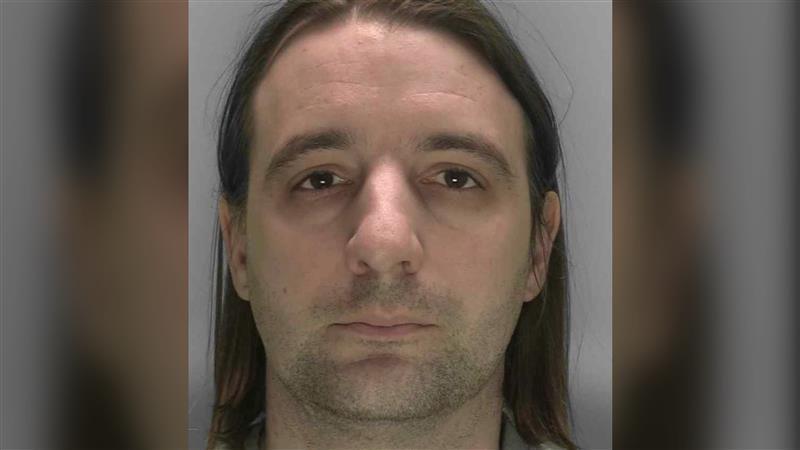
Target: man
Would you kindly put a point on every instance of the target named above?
(390, 215)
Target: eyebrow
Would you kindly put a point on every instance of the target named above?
(337, 139)
(303, 144)
(470, 143)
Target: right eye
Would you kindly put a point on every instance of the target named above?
(457, 179)
(320, 180)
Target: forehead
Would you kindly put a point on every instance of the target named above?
(399, 79)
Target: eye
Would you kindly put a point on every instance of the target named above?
(456, 179)
(320, 180)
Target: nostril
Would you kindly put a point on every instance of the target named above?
(361, 268)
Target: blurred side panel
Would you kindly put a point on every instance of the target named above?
(28, 312)
(705, 225)
(659, 274)
(94, 224)
(748, 120)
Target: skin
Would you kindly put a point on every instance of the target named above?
(389, 237)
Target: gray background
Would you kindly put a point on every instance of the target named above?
(569, 46)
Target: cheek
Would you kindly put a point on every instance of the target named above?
(484, 258)
(490, 323)
(486, 268)
(289, 266)
(278, 301)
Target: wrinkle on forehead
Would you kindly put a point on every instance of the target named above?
(427, 94)
(328, 100)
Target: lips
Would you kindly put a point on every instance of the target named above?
(383, 325)
(383, 319)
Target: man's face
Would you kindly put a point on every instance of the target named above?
(398, 210)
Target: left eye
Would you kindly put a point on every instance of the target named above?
(320, 180)
(456, 179)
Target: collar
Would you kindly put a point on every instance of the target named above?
(509, 437)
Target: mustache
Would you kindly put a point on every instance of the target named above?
(408, 296)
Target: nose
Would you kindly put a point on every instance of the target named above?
(385, 243)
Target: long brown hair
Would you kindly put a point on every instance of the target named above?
(535, 383)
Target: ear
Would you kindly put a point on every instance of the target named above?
(235, 249)
(543, 237)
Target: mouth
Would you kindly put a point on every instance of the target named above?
(372, 330)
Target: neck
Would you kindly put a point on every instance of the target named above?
(476, 424)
